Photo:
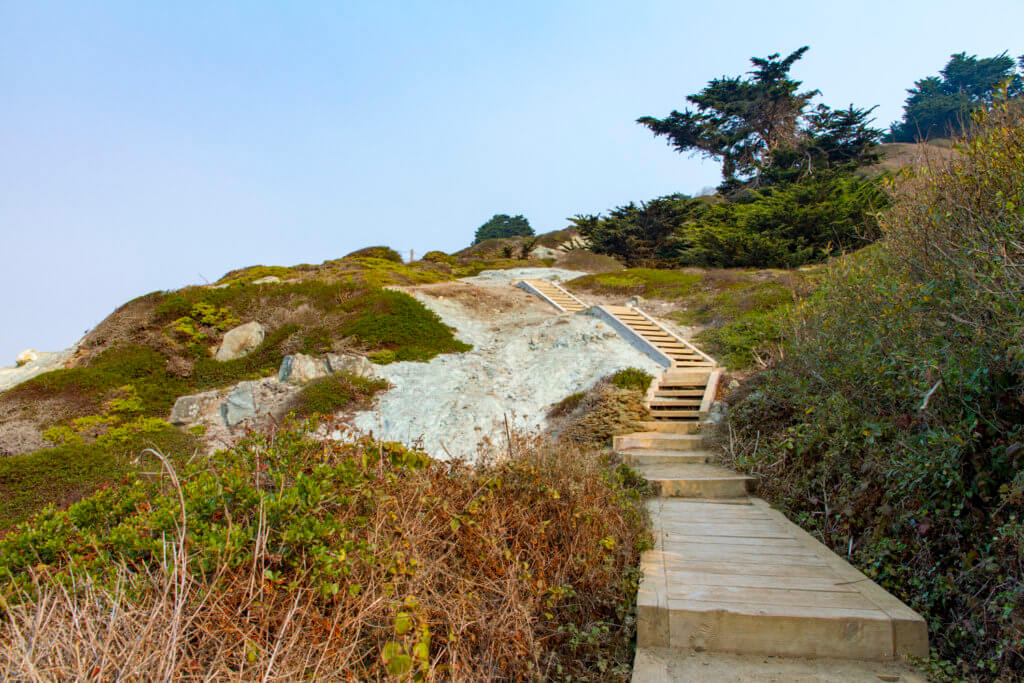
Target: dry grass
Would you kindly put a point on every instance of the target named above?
(592, 418)
(588, 262)
(518, 569)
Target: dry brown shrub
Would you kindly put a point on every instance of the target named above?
(588, 261)
(522, 568)
(603, 412)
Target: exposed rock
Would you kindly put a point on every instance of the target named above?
(223, 412)
(25, 357)
(733, 384)
(240, 341)
(300, 368)
(239, 406)
(524, 360)
(540, 252)
(44, 362)
(189, 409)
(268, 280)
(350, 363)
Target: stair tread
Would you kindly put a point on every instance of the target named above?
(689, 472)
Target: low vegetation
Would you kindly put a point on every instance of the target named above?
(740, 313)
(287, 558)
(158, 348)
(613, 406)
(891, 424)
(328, 395)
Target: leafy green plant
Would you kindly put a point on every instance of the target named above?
(502, 225)
(632, 378)
(330, 394)
(891, 426)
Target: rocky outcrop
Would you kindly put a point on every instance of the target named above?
(43, 362)
(25, 357)
(268, 280)
(240, 341)
(239, 406)
(224, 413)
(350, 363)
(300, 368)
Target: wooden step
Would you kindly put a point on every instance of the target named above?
(658, 440)
(662, 401)
(651, 456)
(670, 427)
(689, 480)
(744, 579)
(695, 392)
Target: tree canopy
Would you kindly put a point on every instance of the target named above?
(939, 106)
(503, 225)
(760, 128)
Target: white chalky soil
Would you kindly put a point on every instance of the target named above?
(526, 356)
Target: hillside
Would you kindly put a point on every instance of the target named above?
(409, 468)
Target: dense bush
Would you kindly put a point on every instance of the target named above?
(502, 225)
(385, 253)
(288, 558)
(893, 428)
(632, 378)
(786, 225)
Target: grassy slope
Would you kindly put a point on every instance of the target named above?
(158, 348)
(739, 309)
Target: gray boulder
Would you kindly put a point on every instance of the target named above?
(239, 406)
(188, 409)
(350, 363)
(300, 368)
(268, 280)
(240, 341)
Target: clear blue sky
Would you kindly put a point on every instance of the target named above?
(149, 145)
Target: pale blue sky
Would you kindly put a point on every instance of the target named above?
(150, 145)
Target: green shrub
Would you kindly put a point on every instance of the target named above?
(784, 226)
(632, 378)
(286, 556)
(439, 257)
(396, 322)
(73, 470)
(327, 395)
(384, 253)
(245, 276)
(647, 282)
(893, 426)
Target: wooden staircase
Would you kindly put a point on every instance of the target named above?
(682, 353)
(728, 574)
(554, 294)
(683, 394)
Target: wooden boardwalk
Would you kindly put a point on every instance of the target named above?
(729, 574)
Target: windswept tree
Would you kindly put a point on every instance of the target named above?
(503, 225)
(938, 106)
(759, 128)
